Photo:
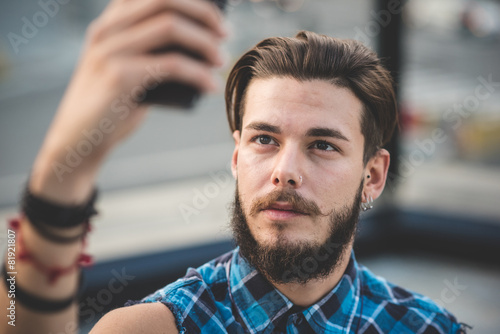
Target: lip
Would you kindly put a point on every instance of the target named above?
(273, 214)
(281, 211)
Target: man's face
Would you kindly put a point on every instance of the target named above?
(298, 161)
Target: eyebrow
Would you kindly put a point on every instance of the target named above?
(312, 132)
(262, 126)
(326, 132)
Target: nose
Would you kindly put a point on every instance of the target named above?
(286, 172)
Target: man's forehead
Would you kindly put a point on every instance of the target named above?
(286, 102)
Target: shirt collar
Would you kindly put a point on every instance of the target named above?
(261, 307)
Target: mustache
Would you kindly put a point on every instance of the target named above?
(298, 202)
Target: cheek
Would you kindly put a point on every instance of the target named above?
(336, 185)
(253, 169)
(253, 176)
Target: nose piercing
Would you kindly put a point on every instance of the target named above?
(300, 178)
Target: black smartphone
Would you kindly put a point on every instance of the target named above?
(174, 93)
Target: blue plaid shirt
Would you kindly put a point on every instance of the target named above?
(227, 295)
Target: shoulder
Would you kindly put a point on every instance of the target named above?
(397, 308)
(154, 318)
(195, 300)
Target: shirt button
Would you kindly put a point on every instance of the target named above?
(299, 320)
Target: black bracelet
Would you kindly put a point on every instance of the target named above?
(44, 214)
(44, 232)
(38, 304)
(56, 215)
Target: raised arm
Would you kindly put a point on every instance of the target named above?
(99, 109)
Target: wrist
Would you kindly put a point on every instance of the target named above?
(61, 181)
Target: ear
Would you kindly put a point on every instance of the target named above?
(234, 160)
(376, 175)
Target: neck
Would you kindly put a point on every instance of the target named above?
(311, 292)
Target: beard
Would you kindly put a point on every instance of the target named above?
(295, 262)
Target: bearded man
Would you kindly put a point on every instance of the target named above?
(309, 117)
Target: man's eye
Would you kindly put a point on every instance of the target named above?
(324, 146)
(264, 140)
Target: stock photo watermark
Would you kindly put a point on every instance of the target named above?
(381, 19)
(451, 292)
(10, 280)
(120, 107)
(92, 306)
(31, 25)
(454, 116)
(203, 195)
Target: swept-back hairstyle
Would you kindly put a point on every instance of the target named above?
(343, 62)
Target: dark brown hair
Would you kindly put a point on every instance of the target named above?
(308, 56)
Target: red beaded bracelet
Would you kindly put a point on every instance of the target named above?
(52, 273)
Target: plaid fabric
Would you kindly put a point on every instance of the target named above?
(227, 295)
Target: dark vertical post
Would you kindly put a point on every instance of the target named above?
(389, 47)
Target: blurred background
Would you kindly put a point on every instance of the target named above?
(164, 193)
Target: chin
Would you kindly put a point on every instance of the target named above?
(280, 235)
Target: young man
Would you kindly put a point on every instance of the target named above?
(309, 117)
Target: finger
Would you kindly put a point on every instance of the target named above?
(126, 13)
(167, 29)
(172, 67)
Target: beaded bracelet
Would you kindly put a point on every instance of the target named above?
(52, 273)
(45, 217)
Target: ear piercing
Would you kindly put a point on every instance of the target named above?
(369, 200)
(368, 205)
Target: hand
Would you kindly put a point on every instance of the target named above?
(100, 106)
